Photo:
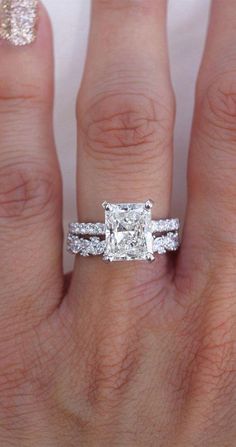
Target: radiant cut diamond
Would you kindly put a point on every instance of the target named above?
(128, 232)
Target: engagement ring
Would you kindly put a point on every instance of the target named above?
(128, 234)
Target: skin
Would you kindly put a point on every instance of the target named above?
(127, 354)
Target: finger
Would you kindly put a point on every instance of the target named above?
(125, 113)
(210, 230)
(125, 121)
(125, 108)
(30, 202)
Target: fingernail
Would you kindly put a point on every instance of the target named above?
(18, 21)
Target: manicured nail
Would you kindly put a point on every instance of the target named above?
(18, 21)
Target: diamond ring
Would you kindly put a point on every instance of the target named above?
(128, 234)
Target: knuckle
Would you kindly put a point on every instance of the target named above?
(27, 190)
(218, 104)
(15, 95)
(122, 129)
(215, 127)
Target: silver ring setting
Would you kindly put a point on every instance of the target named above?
(128, 234)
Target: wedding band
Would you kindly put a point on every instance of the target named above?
(128, 233)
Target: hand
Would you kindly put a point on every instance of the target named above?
(125, 354)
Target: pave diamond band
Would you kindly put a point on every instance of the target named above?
(85, 247)
(128, 233)
(99, 229)
(95, 246)
(90, 229)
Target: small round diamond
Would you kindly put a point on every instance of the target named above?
(164, 226)
(162, 244)
(85, 247)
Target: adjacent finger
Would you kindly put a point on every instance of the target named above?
(211, 220)
(30, 200)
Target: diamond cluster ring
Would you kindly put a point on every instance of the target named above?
(128, 234)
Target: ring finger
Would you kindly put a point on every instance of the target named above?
(125, 120)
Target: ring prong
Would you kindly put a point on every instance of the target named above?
(150, 257)
(106, 260)
(149, 205)
(106, 206)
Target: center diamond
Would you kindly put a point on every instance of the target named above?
(128, 232)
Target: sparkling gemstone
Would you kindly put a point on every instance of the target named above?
(73, 244)
(128, 232)
(163, 226)
(162, 244)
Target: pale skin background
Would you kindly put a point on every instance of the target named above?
(124, 354)
(187, 26)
